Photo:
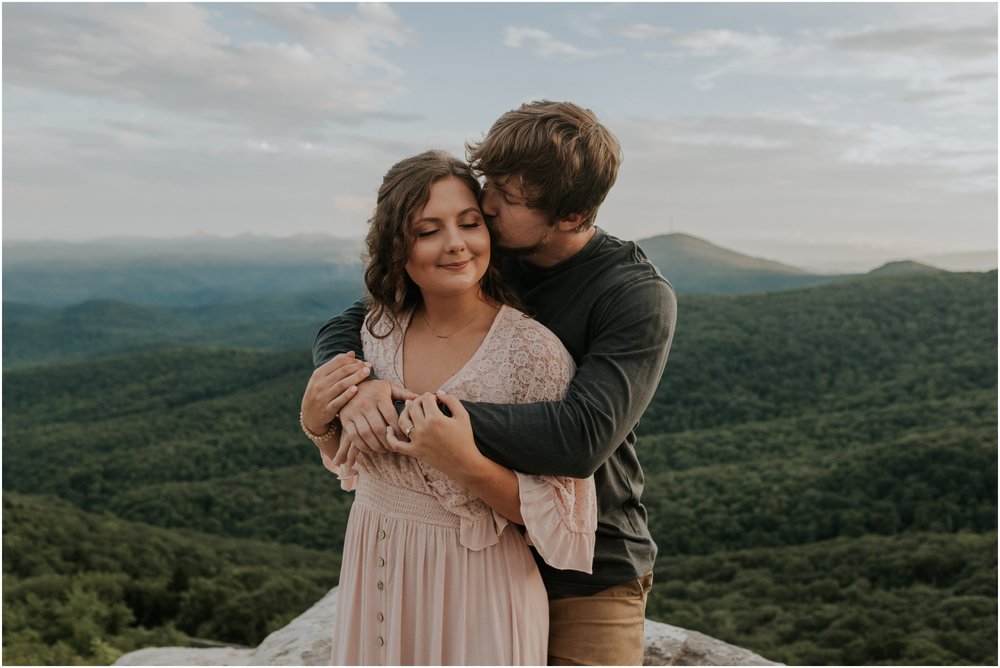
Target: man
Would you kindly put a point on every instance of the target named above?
(548, 166)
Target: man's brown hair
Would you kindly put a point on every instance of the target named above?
(565, 159)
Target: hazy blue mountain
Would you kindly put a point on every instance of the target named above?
(305, 248)
(209, 270)
(35, 335)
(904, 267)
(189, 271)
(694, 265)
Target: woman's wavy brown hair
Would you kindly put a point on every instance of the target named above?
(405, 190)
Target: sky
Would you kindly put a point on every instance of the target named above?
(830, 136)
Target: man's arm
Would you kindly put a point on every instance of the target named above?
(340, 334)
(615, 381)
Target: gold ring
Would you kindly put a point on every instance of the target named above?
(409, 429)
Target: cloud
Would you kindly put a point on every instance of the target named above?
(946, 68)
(325, 69)
(963, 42)
(706, 43)
(543, 44)
(739, 177)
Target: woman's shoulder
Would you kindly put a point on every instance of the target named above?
(527, 333)
(384, 324)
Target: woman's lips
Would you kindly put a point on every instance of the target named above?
(455, 266)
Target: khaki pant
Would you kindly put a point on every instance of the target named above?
(603, 629)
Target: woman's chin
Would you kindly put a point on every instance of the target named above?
(450, 289)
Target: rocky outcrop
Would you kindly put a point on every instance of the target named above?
(306, 642)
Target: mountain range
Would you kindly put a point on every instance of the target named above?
(206, 270)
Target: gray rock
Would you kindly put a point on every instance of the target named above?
(306, 642)
(668, 645)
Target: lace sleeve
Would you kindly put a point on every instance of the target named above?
(560, 513)
(541, 367)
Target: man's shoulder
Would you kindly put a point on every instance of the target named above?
(622, 263)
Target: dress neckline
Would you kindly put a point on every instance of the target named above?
(405, 325)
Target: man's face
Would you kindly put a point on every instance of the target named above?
(518, 228)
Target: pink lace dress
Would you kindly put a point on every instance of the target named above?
(431, 575)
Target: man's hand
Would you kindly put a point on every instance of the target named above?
(330, 388)
(368, 415)
(446, 443)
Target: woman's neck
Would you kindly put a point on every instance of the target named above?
(447, 312)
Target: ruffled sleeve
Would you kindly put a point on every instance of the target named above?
(560, 516)
(347, 475)
(478, 533)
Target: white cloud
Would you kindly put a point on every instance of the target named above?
(707, 43)
(545, 45)
(170, 57)
(947, 68)
(782, 174)
(960, 42)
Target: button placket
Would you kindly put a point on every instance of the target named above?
(380, 585)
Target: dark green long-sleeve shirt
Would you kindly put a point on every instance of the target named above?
(615, 314)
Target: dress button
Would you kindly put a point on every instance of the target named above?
(381, 561)
(380, 641)
(381, 534)
(380, 585)
(379, 617)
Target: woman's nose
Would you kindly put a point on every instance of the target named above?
(455, 240)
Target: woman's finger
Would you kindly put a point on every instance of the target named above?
(388, 412)
(351, 432)
(352, 456)
(453, 403)
(342, 449)
(370, 433)
(404, 422)
(338, 388)
(396, 445)
(416, 410)
(429, 403)
(345, 376)
(331, 365)
(334, 407)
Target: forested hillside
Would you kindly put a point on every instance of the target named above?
(820, 470)
(83, 588)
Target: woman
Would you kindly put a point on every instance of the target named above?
(432, 574)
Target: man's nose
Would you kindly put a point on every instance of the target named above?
(489, 202)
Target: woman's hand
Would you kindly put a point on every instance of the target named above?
(365, 420)
(330, 387)
(446, 443)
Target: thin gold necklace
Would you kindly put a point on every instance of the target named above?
(423, 316)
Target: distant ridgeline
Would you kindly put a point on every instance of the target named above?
(75, 301)
(820, 474)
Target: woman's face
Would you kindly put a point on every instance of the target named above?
(451, 245)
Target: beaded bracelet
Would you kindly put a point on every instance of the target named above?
(319, 438)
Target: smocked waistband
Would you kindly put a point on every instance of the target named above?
(394, 501)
